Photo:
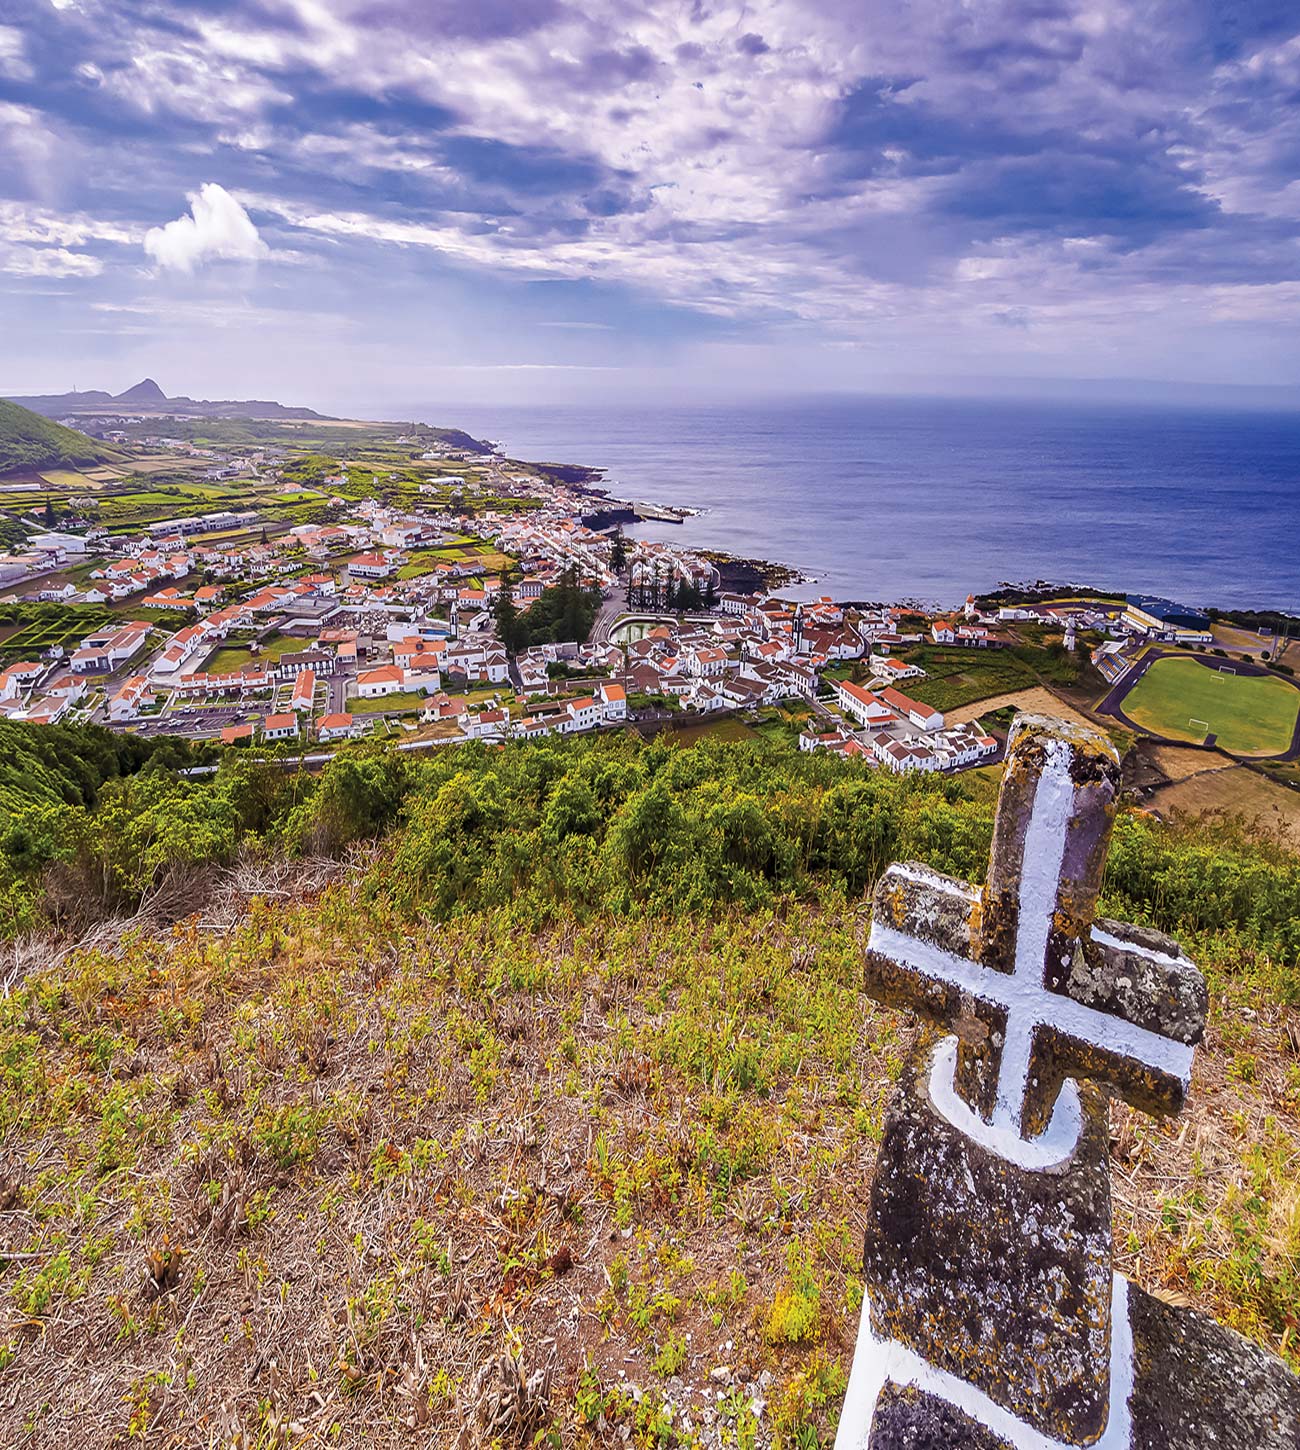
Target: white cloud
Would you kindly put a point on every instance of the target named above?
(35, 242)
(13, 55)
(216, 229)
(21, 261)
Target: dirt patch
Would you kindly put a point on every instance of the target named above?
(1037, 699)
(1181, 762)
(1236, 790)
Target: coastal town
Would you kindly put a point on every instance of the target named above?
(414, 619)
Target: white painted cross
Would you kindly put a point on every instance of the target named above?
(1040, 993)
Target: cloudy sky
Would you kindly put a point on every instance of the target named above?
(337, 201)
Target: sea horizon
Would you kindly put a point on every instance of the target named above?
(930, 498)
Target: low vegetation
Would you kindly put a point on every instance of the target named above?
(28, 441)
(957, 676)
(528, 1087)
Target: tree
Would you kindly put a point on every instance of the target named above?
(49, 513)
(507, 616)
(618, 553)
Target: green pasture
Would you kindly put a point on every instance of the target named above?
(401, 700)
(235, 656)
(960, 676)
(1182, 699)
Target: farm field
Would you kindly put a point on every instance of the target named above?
(1184, 700)
(1181, 762)
(957, 677)
(1036, 699)
(65, 630)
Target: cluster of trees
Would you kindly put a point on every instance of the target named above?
(569, 827)
(661, 592)
(564, 613)
(70, 763)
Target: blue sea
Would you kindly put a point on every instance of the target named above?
(929, 499)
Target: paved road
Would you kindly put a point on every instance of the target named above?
(612, 604)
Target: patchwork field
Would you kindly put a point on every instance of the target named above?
(65, 628)
(957, 676)
(1185, 700)
(401, 700)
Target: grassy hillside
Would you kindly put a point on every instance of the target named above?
(29, 441)
(556, 1053)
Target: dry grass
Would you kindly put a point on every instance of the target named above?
(1180, 762)
(1237, 790)
(290, 1172)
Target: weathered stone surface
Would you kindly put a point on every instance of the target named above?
(988, 1239)
(1008, 968)
(1094, 771)
(929, 906)
(1140, 975)
(1199, 1386)
(1000, 1275)
(909, 1419)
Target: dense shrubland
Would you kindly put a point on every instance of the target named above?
(574, 827)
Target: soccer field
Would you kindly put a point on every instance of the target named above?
(1184, 700)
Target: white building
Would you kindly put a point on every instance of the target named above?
(386, 680)
(613, 701)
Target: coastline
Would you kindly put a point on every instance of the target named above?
(893, 498)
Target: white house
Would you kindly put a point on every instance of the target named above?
(901, 756)
(279, 727)
(370, 566)
(106, 650)
(584, 714)
(707, 661)
(924, 717)
(182, 647)
(336, 727)
(127, 703)
(885, 667)
(422, 672)
(485, 723)
(613, 701)
(386, 680)
(865, 707)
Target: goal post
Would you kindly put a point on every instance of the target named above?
(1204, 724)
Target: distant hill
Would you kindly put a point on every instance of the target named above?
(147, 392)
(146, 398)
(29, 441)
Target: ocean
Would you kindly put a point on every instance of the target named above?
(929, 499)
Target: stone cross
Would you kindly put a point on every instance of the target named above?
(1039, 993)
(992, 1316)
